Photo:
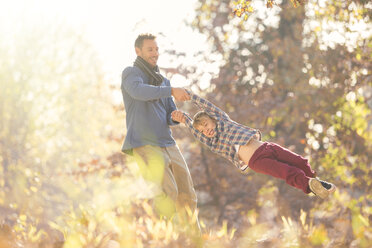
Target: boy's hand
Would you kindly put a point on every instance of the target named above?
(180, 94)
(178, 116)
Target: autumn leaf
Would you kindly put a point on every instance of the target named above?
(270, 3)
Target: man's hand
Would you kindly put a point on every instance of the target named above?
(178, 115)
(180, 94)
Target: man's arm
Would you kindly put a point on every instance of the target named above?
(206, 105)
(133, 84)
(180, 94)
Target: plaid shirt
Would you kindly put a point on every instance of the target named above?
(228, 132)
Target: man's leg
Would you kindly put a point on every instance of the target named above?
(154, 166)
(186, 192)
(286, 156)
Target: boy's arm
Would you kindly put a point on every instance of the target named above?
(206, 105)
(170, 108)
(198, 135)
(183, 117)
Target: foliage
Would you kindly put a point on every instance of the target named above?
(242, 8)
(50, 90)
(284, 74)
(64, 182)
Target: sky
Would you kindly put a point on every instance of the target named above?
(111, 26)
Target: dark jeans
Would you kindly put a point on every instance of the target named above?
(274, 160)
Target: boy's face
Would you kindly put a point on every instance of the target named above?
(207, 126)
(149, 52)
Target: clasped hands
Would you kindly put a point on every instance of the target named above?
(178, 116)
(180, 94)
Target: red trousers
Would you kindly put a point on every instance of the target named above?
(274, 160)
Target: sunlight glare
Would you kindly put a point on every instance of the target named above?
(111, 26)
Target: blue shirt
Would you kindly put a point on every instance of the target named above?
(148, 111)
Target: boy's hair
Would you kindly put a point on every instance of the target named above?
(139, 41)
(199, 117)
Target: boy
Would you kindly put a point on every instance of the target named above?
(243, 147)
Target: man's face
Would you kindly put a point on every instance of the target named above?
(149, 52)
(208, 127)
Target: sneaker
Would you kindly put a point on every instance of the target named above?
(328, 186)
(317, 188)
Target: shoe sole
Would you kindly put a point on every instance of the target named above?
(332, 189)
(317, 188)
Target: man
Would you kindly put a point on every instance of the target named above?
(148, 103)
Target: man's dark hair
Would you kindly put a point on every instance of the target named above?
(139, 41)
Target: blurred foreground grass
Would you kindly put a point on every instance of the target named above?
(338, 222)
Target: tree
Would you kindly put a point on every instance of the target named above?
(51, 88)
(283, 74)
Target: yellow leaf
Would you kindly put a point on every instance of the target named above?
(23, 217)
(319, 235)
(223, 231)
(232, 233)
(303, 217)
(269, 4)
(73, 241)
(364, 220)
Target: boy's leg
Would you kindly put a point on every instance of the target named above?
(292, 175)
(264, 161)
(154, 167)
(286, 156)
(186, 192)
